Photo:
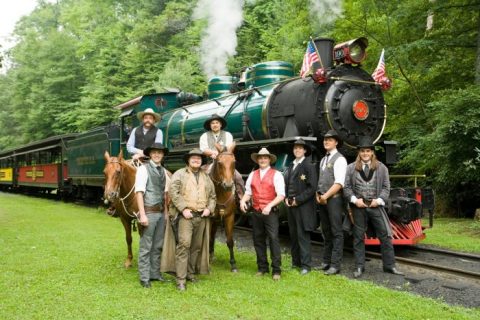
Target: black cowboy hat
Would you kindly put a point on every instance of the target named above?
(333, 134)
(155, 146)
(306, 146)
(365, 142)
(215, 116)
(194, 152)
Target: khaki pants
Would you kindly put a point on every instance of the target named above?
(190, 241)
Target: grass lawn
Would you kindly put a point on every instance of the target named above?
(455, 234)
(63, 261)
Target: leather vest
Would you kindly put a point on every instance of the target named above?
(195, 193)
(155, 189)
(326, 177)
(142, 141)
(221, 140)
(263, 190)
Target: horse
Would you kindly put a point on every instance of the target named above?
(222, 173)
(119, 191)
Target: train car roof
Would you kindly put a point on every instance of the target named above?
(39, 145)
(137, 100)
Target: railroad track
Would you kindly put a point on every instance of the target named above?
(461, 264)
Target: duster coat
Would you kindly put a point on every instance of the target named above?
(169, 243)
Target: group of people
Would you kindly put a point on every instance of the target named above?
(188, 199)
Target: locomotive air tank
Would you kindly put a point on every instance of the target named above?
(275, 106)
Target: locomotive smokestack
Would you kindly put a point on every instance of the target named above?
(325, 49)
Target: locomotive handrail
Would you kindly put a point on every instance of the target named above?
(353, 80)
(407, 176)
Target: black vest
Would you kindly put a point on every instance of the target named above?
(142, 141)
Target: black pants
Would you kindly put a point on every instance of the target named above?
(300, 240)
(263, 226)
(375, 216)
(331, 220)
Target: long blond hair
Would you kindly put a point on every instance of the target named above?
(373, 164)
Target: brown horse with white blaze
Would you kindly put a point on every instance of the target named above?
(222, 174)
(119, 191)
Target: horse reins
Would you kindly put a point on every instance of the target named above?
(122, 200)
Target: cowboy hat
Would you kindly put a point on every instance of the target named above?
(333, 134)
(263, 152)
(155, 146)
(306, 146)
(194, 152)
(215, 116)
(365, 142)
(149, 111)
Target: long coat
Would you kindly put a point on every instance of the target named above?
(169, 244)
(305, 180)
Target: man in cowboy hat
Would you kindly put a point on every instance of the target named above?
(145, 135)
(329, 195)
(266, 187)
(367, 188)
(151, 186)
(193, 200)
(301, 182)
(215, 134)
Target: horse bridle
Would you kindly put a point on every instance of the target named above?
(122, 200)
(216, 182)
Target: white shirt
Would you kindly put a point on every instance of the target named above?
(131, 140)
(204, 140)
(354, 199)
(296, 163)
(278, 182)
(339, 168)
(141, 178)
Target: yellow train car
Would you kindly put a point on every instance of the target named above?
(6, 175)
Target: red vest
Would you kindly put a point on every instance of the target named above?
(263, 190)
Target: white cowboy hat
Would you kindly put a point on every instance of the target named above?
(263, 152)
(149, 111)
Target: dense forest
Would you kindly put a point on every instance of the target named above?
(75, 59)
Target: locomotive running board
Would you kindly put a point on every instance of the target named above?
(403, 234)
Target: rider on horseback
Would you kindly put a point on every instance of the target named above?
(216, 140)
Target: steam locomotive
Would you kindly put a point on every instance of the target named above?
(265, 106)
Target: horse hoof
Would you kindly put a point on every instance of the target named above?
(234, 270)
(128, 264)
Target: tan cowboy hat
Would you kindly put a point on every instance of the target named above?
(149, 111)
(263, 152)
(194, 152)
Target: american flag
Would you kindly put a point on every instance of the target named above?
(309, 58)
(379, 72)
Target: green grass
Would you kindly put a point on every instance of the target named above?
(63, 261)
(455, 234)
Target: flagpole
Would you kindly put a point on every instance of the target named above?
(316, 50)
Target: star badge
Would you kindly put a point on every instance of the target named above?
(303, 177)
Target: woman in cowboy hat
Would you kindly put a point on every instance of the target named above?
(301, 182)
(367, 188)
(266, 187)
(144, 135)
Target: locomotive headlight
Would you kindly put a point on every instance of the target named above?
(353, 51)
